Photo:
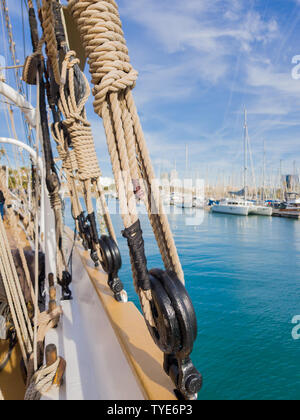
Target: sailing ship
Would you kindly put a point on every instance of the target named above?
(67, 330)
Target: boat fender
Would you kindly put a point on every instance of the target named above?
(112, 263)
(175, 330)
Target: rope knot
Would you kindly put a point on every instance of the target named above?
(103, 38)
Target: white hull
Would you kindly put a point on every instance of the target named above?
(261, 210)
(227, 209)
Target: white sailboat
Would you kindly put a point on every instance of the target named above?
(260, 210)
(234, 206)
(243, 206)
(231, 206)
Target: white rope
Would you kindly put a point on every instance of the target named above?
(14, 296)
(41, 382)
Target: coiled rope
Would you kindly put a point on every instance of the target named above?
(81, 162)
(41, 382)
(114, 78)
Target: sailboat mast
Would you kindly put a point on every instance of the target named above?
(186, 159)
(264, 172)
(245, 155)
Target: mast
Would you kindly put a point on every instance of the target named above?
(245, 154)
(294, 177)
(264, 172)
(281, 183)
(186, 159)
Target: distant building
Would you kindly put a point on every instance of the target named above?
(290, 181)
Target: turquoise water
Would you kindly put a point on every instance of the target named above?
(243, 277)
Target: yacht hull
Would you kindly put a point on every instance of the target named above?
(261, 211)
(236, 210)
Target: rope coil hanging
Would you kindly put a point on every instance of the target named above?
(114, 77)
(86, 162)
(167, 308)
(75, 145)
(77, 124)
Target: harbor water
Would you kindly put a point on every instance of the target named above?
(243, 274)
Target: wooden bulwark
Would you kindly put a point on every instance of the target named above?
(11, 380)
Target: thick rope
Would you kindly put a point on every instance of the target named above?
(46, 321)
(76, 122)
(50, 38)
(41, 382)
(13, 223)
(80, 162)
(14, 297)
(113, 77)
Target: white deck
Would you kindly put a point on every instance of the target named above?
(97, 368)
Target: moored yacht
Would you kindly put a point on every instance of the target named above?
(231, 206)
(260, 209)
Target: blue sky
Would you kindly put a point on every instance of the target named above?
(200, 63)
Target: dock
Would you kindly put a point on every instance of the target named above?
(287, 214)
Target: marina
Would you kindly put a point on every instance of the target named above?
(149, 202)
(245, 302)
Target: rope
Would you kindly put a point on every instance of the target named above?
(80, 162)
(13, 223)
(41, 382)
(18, 309)
(46, 321)
(14, 296)
(76, 122)
(114, 77)
(49, 32)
